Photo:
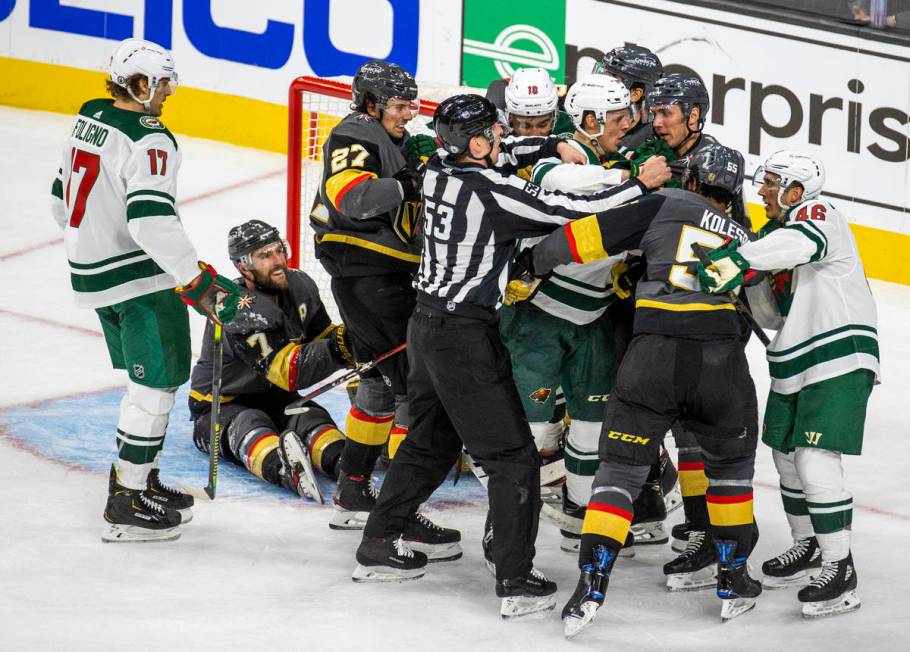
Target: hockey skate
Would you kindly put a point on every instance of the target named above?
(487, 545)
(796, 566)
(833, 592)
(679, 536)
(169, 498)
(650, 512)
(529, 594)
(588, 597)
(388, 560)
(552, 468)
(296, 468)
(354, 497)
(736, 589)
(132, 516)
(436, 542)
(696, 568)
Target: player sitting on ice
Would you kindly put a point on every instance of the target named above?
(281, 340)
(823, 364)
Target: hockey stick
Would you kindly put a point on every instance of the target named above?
(351, 375)
(741, 307)
(215, 426)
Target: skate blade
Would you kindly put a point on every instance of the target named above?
(735, 607)
(299, 458)
(628, 553)
(844, 604)
(650, 534)
(367, 574)
(704, 578)
(522, 606)
(551, 497)
(343, 519)
(437, 552)
(186, 515)
(573, 624)
(552, 473)
(800, 578)
(673, 500)
(115, 533)
(555, 515)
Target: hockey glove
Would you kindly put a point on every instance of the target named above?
(523, 282)
(211, 295)
(726, 270)
(420, 148)
(625, 275)
(340, 345)
(657, 147)
(411, 179)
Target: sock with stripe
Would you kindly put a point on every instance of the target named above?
(693, 483)
(325, 444)
(581, 459)
(366, 434)
(829, 504)
(792, 496)
(144, 413)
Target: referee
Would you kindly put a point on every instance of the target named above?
(460, 386)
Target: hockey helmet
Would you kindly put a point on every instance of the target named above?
(381, 81)
(686, 90)
(717, 166)
(460, 118)
(632, 64)
(250, 236)
(531, 92)
(599, 94)
(135, 56)
(793, 167)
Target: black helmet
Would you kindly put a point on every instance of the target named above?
(685, 90)
(250, 236)
(381, 81)
(633, 64)
(716, 166)
(461, 117)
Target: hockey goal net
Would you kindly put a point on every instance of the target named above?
(315, 106)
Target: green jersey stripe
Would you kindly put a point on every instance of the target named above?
(107, 261)
(581, 284)
(114, 277)
(821, 235)
(148, 209)
(57, 189)
(824, 353)
(819, 243)
(821, 336)
(541, 170)
(574, 299)
(156, 193)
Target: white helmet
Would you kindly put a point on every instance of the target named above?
(599, 94)
(531, 92)
(792, 166)
(135, 56)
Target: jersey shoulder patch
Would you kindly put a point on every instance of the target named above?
(132, 124)
(255, 312)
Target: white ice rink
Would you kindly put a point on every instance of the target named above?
(258, 569)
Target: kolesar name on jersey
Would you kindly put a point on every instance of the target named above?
(722, 226)
(90, 132)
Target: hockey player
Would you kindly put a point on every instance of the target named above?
(460, 384)
(528, 103)
(365, 222)
(685, 363)
(823, 361)
(114, 196)
(281, 340)
(639, 69)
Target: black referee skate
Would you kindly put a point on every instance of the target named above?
(436, 542)
(529, 594)
(832, 592)
(487, 545)
(132, 516)
(796, 565)
(696, 568)
(735, 587)
(355, 496)
(296, 471)
(589, 593)
(169, 497)
(390, 559)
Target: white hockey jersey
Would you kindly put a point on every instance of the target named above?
(114, 198)
(828, 325)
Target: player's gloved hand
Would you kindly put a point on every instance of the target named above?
(725, 272)
(211, 295)
(420, 148)
(569, 154)
(523, 282)
(658, 147)
(410, 177)
(654, 172)
(340, 346)
(625, 275)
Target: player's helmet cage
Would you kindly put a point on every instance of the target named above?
(596, 93)
(135, 56)
(793, 167)
(686, 90)
(460, 118)
(717, 166)
(632, 64)
(531, 92)
(251, 236)
(381, 81)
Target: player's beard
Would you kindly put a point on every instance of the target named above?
(266, 283)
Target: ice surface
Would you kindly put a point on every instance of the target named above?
(259, 568)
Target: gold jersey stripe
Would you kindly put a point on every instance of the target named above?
(682, 307)
(372, 246)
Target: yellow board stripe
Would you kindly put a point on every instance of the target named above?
(693, 483)
(682, 307)
(208, 397)
(366, 244)
(606, 524)
(586, 242)
(336, 183)
(279, 371)
(729, 514)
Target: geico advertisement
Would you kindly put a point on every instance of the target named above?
(252, 49)
(775, 86)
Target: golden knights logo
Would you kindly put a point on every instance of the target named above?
(813, 437)
(540, 395)
(407, 220)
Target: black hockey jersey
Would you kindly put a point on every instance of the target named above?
(270, 347)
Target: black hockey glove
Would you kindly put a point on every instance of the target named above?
(411, 179)
(340, 346)
(625, 275)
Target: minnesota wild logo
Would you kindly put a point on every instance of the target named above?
(541, 395)
(151, 122)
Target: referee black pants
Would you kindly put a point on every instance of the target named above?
(460, 390)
